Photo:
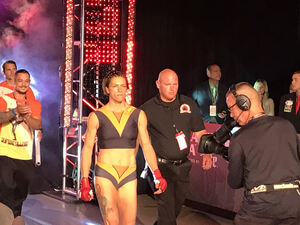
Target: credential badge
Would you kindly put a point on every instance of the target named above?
(288, 106)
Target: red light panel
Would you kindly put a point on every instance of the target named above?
(130, 49)
(102, 31)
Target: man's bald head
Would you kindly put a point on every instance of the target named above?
(167, 84)
(243, 116)
(166, 73)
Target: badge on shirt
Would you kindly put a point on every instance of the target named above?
(212, 110)
(185, 108)
(180, 137)
(288, 106)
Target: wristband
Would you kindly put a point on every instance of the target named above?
(13, 112)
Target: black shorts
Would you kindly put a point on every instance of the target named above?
(15, 176)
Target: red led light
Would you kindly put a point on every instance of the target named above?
(130, 48)
(103, 24)
(68, 63)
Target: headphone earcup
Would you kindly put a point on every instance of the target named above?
(243, 102)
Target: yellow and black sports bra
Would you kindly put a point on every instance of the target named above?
(114, 134)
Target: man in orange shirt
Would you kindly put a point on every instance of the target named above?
(18, 117)
(7, 86)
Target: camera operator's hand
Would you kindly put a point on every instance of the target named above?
(206, 161)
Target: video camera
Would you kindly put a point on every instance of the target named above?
(214, 143)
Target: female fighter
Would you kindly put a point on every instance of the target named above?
(119, 127)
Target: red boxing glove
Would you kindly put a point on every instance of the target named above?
(162, 181)
(85, 193)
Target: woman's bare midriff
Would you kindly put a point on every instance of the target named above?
(118, 157)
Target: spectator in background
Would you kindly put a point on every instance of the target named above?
(210, 96)
(267, 103)
(7, 86)
(9, 69)
(290, 103)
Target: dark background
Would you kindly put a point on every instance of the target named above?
(248, 39)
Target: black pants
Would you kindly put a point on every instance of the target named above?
(246, 218)
(280, 207)
(170, 202)
(15, 176)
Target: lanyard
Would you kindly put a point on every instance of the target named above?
(169, 110)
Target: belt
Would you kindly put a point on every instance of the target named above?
(174, 162)
(276, 187)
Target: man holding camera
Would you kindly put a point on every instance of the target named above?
(264, 158)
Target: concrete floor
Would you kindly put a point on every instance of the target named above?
(40, 209)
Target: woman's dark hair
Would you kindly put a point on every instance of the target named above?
(108, 77)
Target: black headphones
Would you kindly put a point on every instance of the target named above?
(242, 101)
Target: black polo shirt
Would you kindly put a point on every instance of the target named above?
(165, 119)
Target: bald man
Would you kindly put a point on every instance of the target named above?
(171, 119)
(264, 159)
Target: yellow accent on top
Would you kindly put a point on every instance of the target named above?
(124, 118)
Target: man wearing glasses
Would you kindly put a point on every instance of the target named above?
(264, 159)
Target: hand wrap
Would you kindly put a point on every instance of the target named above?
(85, 193)
(159, 179)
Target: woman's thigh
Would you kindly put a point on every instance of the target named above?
(127, 202)
(107, 197)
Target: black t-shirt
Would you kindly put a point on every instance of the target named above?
(166, 119)
(265, 151)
